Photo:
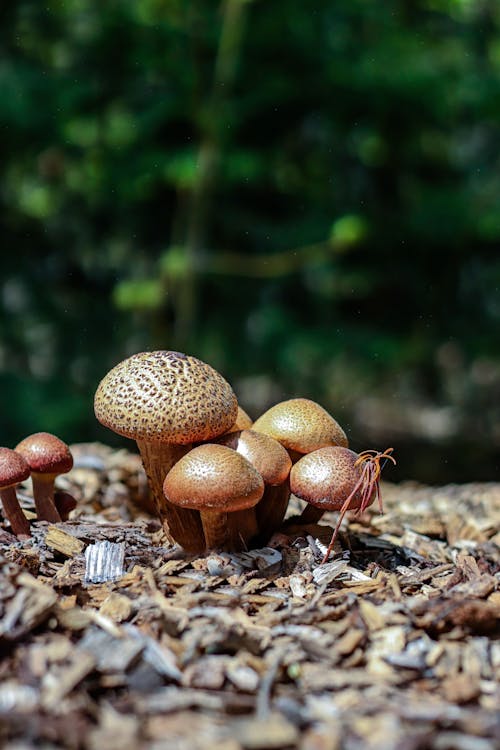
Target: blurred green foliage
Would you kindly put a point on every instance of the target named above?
(305, 195)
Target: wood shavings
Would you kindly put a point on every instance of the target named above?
(391, 644)
(31, 605)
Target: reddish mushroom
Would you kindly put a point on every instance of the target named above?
(337, 479)
(47, 456)
(65, 503)
(13, 469)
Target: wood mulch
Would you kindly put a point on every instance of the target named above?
(392, 645)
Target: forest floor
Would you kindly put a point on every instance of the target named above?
(393, 644)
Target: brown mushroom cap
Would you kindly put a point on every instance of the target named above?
(45, 453)
(213, 477)
(166, 397)
(13, 468)
(243, 421)
(301, 425)
(264, 453)
(326, 477)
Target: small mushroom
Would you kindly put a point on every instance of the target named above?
(243, 421)
(338, 479)
(65, 503)
(301, 426)
(166, 401)
(47, 456)
(273, 464)
(216, 481)
(13, 469)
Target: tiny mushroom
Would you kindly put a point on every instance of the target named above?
(273, 463)
(47, 456)
(338, 479)
(216, 481)
(13, 469)
(65, 503)
(301, 426)
(166, 401)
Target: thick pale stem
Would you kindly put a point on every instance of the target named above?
(181, 524)
(12, 510)
(242, 529)
(43, 494)
(215, 529)
(271, 509)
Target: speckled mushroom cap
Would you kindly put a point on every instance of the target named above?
(301, 425)
(13, 468)
(326, 478)
(264, 453)
(213, 477)
(166, 397)
(45, 453)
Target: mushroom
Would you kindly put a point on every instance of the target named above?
(301, 426)
(166, 401)
(65, 503)
(273, 464)
(338, 479)
(216, 481)
(243, 421)
(13, 469)
(47, 456)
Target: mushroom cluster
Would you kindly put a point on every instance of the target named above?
(42, 456)
(218, 480)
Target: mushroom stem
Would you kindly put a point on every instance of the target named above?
(43, 495)
(311, 514)
(242, 528)
(183, 525)
(18, 521)
(215, 528)
(270, 511)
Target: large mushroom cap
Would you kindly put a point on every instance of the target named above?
(301, 425)
(264, 453)
(45, 453)
(326, 477)
(213, 477)
(166, 397)
(13, 468)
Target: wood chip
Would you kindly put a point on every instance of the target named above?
(117, 607)
(392, 644)
(63, 542)
(271, 733)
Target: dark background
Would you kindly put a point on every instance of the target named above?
(304, 194)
